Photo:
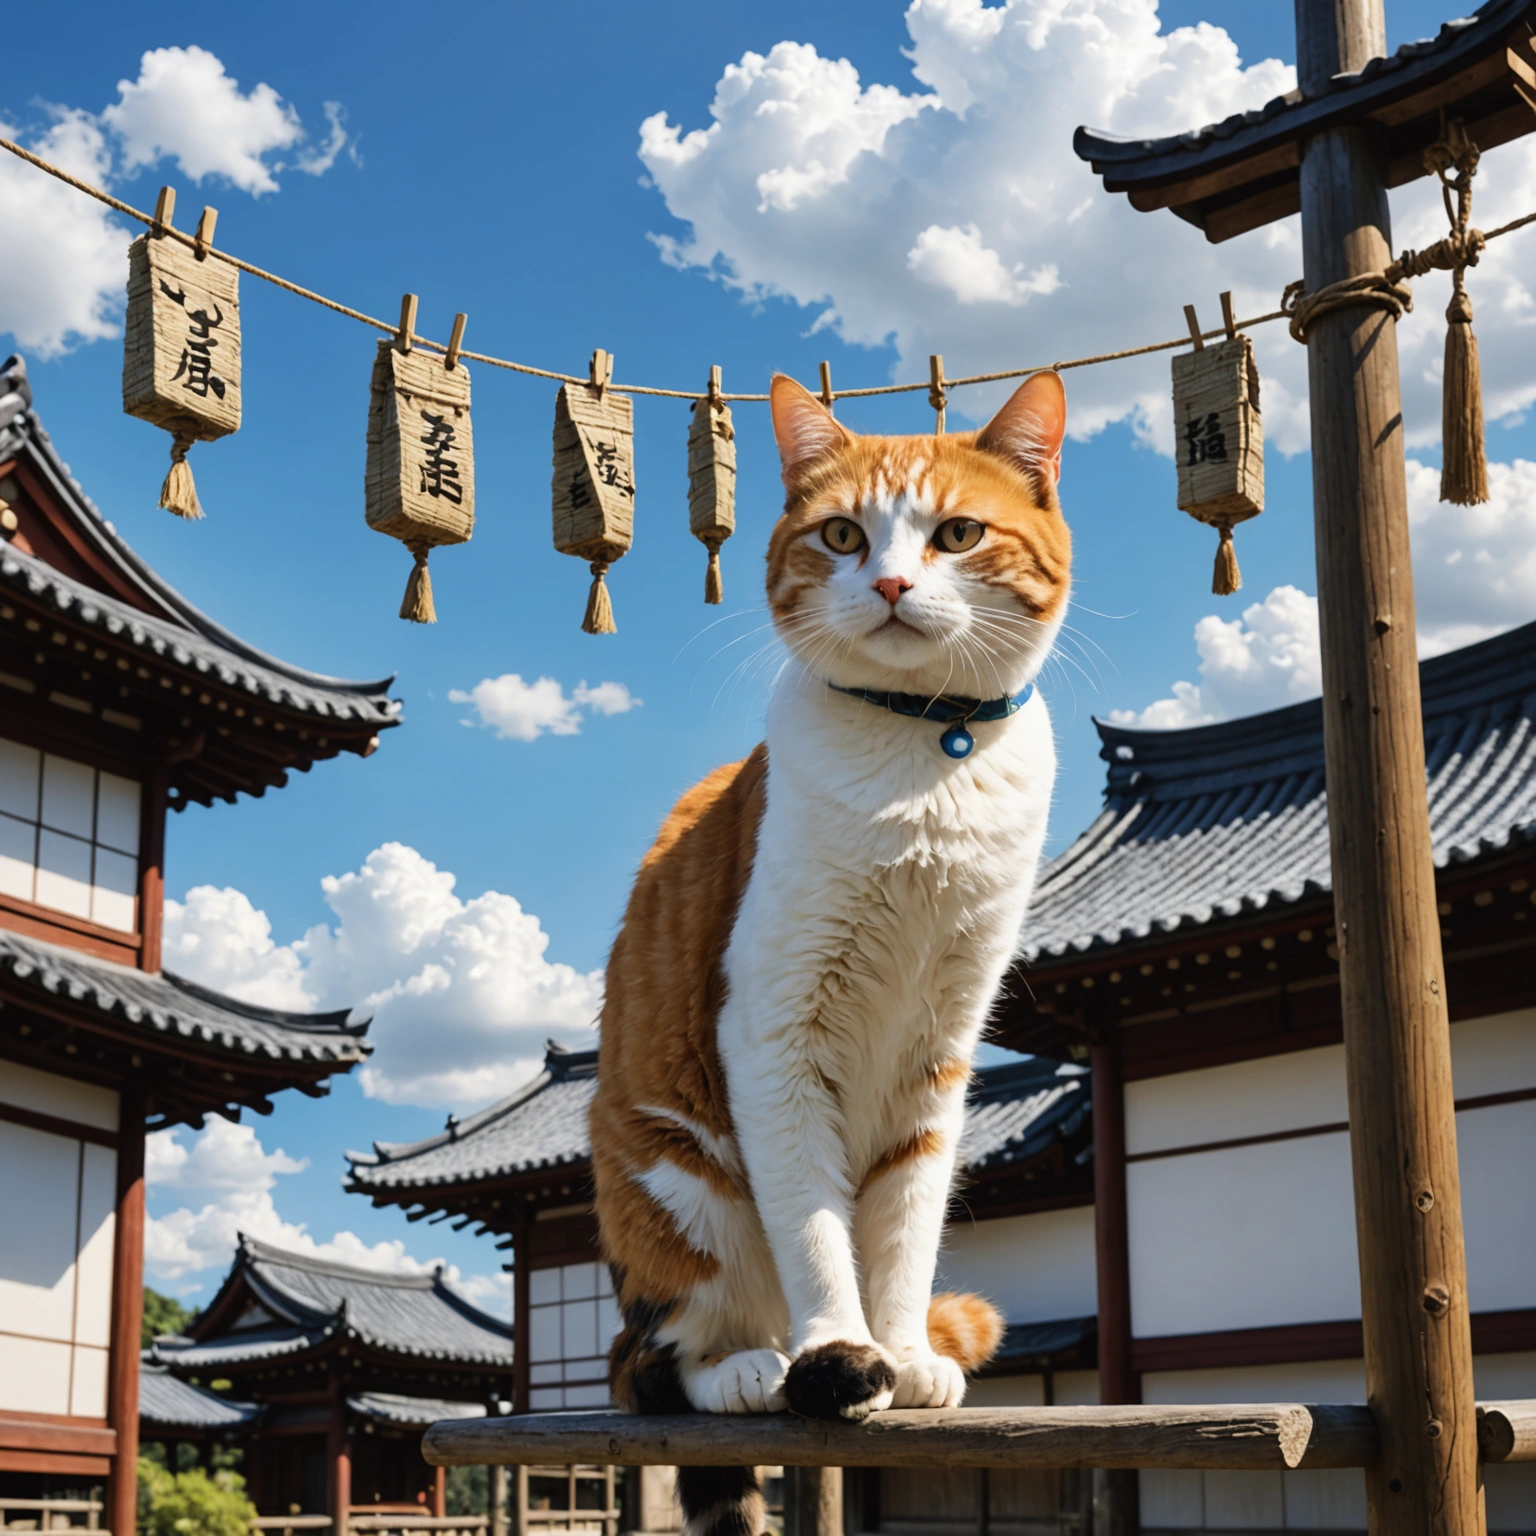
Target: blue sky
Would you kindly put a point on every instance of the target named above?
(491, 165)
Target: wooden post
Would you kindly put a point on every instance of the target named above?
(519, 1504)
(440, 1492)
(338, 1447)
(152, 814)
(813, 1501)
(1115, 1493)
(127, 1314)
(1418, 1348)
(521, 1265)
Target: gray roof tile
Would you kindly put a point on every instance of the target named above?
(391, 1408)
(1013, 1113)
(165, 1402)
(186, 637)
(412, 1315)
(164, 1004)
(1220, 820)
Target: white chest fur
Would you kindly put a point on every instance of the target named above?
(886, 895)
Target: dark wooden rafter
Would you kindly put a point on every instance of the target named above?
(1246, 171)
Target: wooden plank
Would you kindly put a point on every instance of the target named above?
(1413, 1283)
(1269, 1436)
(1507, 1431)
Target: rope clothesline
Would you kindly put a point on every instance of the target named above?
(1286, 312)
(391, 329)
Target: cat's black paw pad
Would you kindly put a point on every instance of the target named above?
(839, 1381)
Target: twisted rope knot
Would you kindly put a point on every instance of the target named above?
(1460, 249)
(1380, 290)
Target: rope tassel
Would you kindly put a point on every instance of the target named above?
(714, 585)
(599, 617)
(1226, 578)
(1464, 471)
(179, 493)
(417, 605)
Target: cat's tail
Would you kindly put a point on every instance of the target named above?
(965, 1327)
(720, 1501)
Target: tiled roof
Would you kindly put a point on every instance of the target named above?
(167, 1005)
(184, 637)
(542, 1125)
(166, 1402)
(1218, 821)
(414, 1412)
(1391, 76)
(313, 1299)
(1014, 1113)
(1040, 1346)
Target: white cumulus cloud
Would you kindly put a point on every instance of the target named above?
(462, 993)
(905, 214)
(227, 1179)
(62, 280)
(1268, 658)
(522, 711)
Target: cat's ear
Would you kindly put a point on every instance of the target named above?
(802, 426)
(1029, 428)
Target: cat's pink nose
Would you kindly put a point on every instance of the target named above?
(891, 587)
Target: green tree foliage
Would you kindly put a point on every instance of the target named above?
(192, 1503)
(162, 1314)
(468, 1490)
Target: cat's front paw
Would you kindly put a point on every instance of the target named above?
(928, 1381)
(749, 1381)
(840, 1380)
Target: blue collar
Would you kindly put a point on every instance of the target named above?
(947, 708)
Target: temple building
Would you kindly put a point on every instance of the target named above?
(1175, 1224)
(339, 1370)
(119, 701)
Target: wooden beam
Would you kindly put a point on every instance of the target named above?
(813, 1501)
(1273, 1437)
(1418, 1350)
(1507, 1431)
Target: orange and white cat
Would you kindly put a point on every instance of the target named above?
(814, 942)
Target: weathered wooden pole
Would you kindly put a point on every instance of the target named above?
(1418, 1347)
(813, 1501)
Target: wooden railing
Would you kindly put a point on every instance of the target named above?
(287, 1525)
(389, 1522)
(50, 1515)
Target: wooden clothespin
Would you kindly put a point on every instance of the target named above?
(407, 331)
(204, 234)
(827, 397)
(456, 341)
(600, 371)
(938, 397)
(1194, 328)
(165, 206)
(716, 400)
(1229, 315)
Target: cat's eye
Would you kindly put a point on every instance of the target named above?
(842, 535)
(958, 535)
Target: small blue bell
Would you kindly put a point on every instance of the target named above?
(957, 741)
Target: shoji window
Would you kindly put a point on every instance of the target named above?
(572, 1318)
(69, 836)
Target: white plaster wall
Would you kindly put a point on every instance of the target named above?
(1006, 1392)
(1496, 1149)
(34, 1375)
(88, 1386)
(98, 1228)
(1310, 1381)
(49, 1094)
(39, 1183)
(1246, 1237)
(1494, 1055)
(1034, 1268)
(1247, 1098)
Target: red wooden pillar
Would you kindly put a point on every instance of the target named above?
(1115, 1493)
(440, 1491)
(152, 867)
(338, 1446)
(127, 1314)
(521, 1265)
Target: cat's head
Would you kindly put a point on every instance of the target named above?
(922, 564)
